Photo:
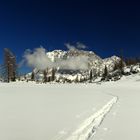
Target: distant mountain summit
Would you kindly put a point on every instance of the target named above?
(68, 66)
(57, 54)
(80, 66)
(94, 61)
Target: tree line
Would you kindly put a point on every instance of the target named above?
(8, 70)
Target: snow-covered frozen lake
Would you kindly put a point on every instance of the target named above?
(31, 111)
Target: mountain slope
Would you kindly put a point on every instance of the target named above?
(75, 65)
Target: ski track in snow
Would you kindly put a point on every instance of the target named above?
(90, 125)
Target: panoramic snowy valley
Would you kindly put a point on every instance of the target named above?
(96, 111)
(69, 70)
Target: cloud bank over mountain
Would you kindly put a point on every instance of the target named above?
(39, 59)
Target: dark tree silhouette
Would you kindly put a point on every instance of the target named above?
(48, 79)
(132, 61)
(105, 74)
(33, 76)
(90, 75)
(10, 67)
(45, 76)
(115, 66)
(53, 74)
(120, 65)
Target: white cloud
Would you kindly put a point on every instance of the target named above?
(38, 59)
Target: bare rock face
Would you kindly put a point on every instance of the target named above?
(94, 61)
(71, 58)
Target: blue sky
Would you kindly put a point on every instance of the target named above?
(105, 27)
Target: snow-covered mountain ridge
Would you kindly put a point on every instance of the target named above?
(72, 57)
(68, 66)
(94, 61)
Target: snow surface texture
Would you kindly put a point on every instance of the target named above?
(88, 128)
(31, 111)
(123, 121)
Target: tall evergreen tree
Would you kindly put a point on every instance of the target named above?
(90, 75)
(121, 63)
(105, 74)
(53, 74)
(115, 66)
(10, 67)
(45, 76)
(33, 76)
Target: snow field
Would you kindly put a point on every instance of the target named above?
(106, 111)
(30, 111)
